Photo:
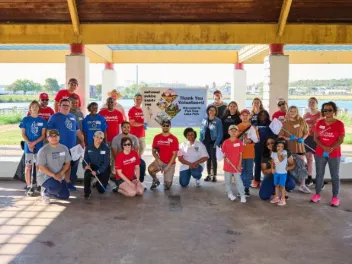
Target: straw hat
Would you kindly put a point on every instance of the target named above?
(114, 93)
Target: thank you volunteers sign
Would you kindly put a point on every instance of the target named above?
(184, 107)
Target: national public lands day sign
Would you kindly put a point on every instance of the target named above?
(184, 107)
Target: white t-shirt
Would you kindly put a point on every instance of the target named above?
(280, 166)
(192, 153)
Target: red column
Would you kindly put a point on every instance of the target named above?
(238, 66)
(109, 66)
(77, 49)
(276, 49)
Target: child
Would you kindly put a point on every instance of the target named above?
(233, 149)
(279, 156)
(33, 132)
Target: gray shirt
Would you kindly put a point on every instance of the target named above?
(79, 117)
(116, 142)
(53, 158)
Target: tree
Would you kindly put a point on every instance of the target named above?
(51, 85)
(24, 85)
(130, 92)
(98, 88)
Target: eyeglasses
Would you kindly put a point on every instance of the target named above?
(127, 144)
(270, 143)
(65, 105)
(166, 125)
(328, 110)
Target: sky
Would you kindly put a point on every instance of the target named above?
(191, 74)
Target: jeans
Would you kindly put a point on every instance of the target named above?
(185, 175)
(238, 180)
(247, 172)
(211, 149)
(55, 188)
(103, 178)
(258, 147)
(142, 168)
(73, 173)
(267, 186)
(334, 167)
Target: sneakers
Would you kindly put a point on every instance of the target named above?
(45, 199)
(231, 196)
(30, 191)
(208, 178)
(198, 183)
(214, 179)
(281, 202)
(255, 184)
(315, 198)
(243, 199)
(275, 200)
(155, 184)
(335, 202)
(246, 192)
(309, 181)
(71, 187)
(304, 189)
(166, 188)
(87, 196)
(115, 189)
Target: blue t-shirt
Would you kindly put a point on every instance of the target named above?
(67, 127)
(91, 124)
(33, 127)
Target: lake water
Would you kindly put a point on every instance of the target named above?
(128, 103)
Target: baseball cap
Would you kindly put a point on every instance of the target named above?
(99, 134)
(166, 122)
(53, 132)
(233, 127)
(245, 111)
(44, 96)
(217, 91)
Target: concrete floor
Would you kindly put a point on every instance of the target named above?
(192, 225)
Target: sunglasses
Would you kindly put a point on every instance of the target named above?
(166, 125)
(53, 136)
(99, 137)
(270, 143)
(128, 144)
(281, 104)
(328, 110)
(44, 100)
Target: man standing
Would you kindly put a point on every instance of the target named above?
(53, 162)
(136, 118)
(113, 119)
(219, 104)
(117, 148)
(165, 148)
(65, 123)
(281, 113)
(66, 93)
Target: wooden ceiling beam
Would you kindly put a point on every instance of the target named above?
(285, 10)
(74, 16)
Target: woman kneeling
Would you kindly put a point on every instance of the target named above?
(127, 168)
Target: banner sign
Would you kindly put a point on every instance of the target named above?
(184, 107)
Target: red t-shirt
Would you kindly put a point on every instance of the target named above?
(232, 150)
(328, 135)
(65, 94)
(311, 120)
(279, 115)
(45, 113)
(127, 163)
(166, 145)
(113, 119)
(137, 115)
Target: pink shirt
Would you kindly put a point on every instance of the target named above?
(311, 120)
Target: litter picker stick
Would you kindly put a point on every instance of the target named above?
(294, 135)
(233, 166)
(96, 177)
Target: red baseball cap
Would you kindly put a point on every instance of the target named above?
(44, 96)
(245, 111)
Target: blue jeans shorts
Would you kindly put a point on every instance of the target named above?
(280, 179)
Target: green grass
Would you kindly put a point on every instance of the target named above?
(348, 139)
(11, 137)
(13, 98)
(10, 119)
(177, 132)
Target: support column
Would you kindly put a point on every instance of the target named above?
(239, 88)
(77, 66)
(276, 77)
(109, 81)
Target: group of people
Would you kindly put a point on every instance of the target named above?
(245, 139)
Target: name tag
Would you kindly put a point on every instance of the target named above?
(236, 145)
(322, 127)
(62, 154)
(307, 119)
(102, 152)
(98, 122)
(40, 124)
(80, 118)
(71, 118)
(297, 125)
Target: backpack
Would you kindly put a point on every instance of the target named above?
(300, 171)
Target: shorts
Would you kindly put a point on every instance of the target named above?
(118, 182)
(280, 179)
(169, 175)
(30, 158)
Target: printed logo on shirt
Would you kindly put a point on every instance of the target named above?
(196, 149)
(111, 118)
(129, 161)
(68, 124)
(34, 129)
(55, 155)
